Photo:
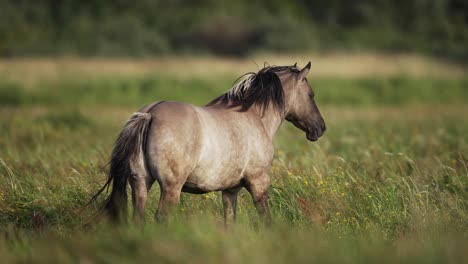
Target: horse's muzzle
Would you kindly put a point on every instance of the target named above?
(317, 132)
(312, 136)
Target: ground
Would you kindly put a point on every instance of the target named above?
(387, 182)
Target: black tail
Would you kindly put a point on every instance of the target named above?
(128, 146)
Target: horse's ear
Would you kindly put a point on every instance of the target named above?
(295, 65)
(303, 73)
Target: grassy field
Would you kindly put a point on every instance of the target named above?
(387, 183)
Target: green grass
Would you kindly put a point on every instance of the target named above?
(388, 182)
(396, 90)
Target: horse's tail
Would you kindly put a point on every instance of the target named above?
(128, 148)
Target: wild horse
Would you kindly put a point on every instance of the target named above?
(223, 146)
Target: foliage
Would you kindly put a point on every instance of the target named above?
(113, 28)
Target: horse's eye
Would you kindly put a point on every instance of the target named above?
(305, 79)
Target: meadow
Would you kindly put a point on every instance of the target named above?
(388, 182)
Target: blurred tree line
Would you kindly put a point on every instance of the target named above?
(231, 27)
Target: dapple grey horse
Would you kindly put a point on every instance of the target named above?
(223, 146)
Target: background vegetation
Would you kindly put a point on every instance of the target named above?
(240, 27)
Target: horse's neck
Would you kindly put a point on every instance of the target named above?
(271, 121)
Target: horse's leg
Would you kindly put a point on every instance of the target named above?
(170, 195)
(229, 202)
(140, 185)
(258, 187)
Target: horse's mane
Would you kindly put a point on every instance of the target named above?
(262, 89)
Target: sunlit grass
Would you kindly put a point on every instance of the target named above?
(387, 182)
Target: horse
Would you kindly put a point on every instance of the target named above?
(224, 146)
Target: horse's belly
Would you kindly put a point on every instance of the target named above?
(205, 179)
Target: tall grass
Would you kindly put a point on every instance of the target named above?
(388, 181)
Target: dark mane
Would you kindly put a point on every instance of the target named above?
(262, 89)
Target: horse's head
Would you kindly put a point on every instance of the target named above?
(283, 88)
(300, 106)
